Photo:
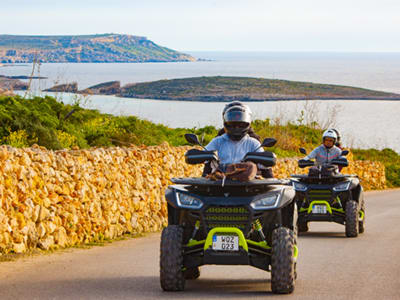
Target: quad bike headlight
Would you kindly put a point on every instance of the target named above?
(341, 187)
(188, 201)
(266, 202)
(299, 186)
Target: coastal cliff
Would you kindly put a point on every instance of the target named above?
(100, 48)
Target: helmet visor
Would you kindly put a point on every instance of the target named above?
(237, 116)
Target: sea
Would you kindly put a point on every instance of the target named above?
(363, 123)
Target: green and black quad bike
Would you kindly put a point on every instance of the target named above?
(325, 195)
(227, 222)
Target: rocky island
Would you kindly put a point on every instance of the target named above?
(225, 89)
(218, 89)
(99, 48)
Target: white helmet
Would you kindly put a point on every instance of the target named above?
(331, 134)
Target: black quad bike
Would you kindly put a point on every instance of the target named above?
(326, 195)
(228, 222)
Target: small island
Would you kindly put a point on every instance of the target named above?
(225, 89)
(218, 89)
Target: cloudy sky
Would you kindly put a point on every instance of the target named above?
(218, 25)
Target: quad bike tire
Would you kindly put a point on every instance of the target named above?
(192, 273)
(352, 219)
(361, 224)
(283, 266)
(302, 227)
(171, 259)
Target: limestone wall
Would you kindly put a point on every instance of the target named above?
(52, 199)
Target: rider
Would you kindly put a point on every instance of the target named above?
(264, 171)
(235, 143)
(250, 132)
(338, 142)
(327, 151)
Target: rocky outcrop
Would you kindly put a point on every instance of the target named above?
(106, 88)
(64, 88)
(54, 199)
(11, 84)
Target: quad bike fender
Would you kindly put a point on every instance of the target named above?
(287, 197)
(357, 193)
(170, 195)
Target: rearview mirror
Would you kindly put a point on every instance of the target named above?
(268, 142)
(303, 151)
(192, 139)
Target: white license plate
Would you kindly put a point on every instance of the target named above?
(225, 243)
(319, 209)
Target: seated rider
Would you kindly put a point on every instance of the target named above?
(338, 142)
(327, 151)
(235, 143)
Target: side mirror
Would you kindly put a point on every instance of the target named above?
(344, 153)
(192, 139)
(268, 142)
(303, 151)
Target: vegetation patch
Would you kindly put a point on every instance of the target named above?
(54, 125)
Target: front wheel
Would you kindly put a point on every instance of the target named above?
(283, 265)
(361, 218)
(171, 259)
(352, 216)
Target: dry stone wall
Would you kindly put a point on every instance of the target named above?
(53, 199)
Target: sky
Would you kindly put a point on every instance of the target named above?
(218, 25)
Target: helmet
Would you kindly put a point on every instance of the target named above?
(237, 121)
(235, 103)
(329, 134)
(338, 136)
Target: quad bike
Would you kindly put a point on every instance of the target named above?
(326, 195)
(228, 222)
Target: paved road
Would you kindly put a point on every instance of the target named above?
(330, 267)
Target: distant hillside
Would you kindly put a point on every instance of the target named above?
(222, 88)
(85, 48)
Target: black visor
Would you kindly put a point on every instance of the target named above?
(237, 116)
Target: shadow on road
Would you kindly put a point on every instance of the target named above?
(322, 234)
(145, 287)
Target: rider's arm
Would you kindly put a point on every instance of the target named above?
(255, 145)
(213, 145)
(312, 155)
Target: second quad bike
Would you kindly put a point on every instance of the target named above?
(228, 222)
(326, 195)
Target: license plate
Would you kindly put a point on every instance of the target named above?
(319, 209)
(225, 243)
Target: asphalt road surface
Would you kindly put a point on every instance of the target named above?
(330, 266)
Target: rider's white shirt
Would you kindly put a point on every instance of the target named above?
(231, 152)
